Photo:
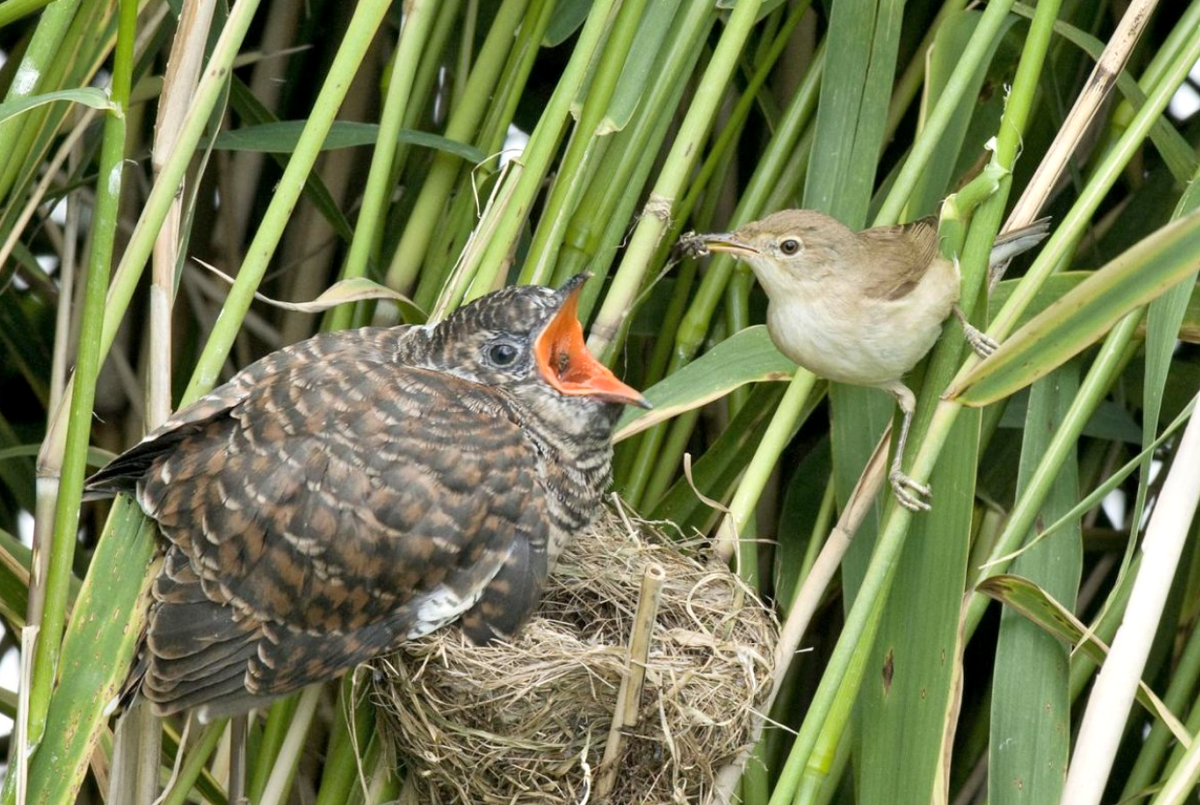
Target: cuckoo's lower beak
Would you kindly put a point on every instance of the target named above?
(565, 363)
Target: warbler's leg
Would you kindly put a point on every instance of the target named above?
(979, 340)
(909, 492)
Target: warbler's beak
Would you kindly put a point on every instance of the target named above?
(565, 363)
(728, 242)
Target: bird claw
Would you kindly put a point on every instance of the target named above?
(980, 341)
(909, 492)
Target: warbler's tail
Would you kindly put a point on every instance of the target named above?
(1010, 244)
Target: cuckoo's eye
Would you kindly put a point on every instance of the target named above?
(502, 354)
(789, 246)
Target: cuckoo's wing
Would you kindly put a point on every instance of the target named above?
(336, 510)
(122, 473)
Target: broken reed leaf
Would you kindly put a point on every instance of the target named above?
(355, 289)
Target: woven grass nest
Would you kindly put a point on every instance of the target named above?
(530, 721)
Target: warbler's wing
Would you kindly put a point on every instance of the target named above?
(901, 256)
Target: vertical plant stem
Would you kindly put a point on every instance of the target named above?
(602, 219)
(656, 214)
(1101, 82)
(280, 782)
(418, 19)
(47, 484)
(465, 51)
(13, 10)
(193, 763)
(433, 56)
(909, 83)
(508, 218)
(43, 50)
(1177, 700)
(368, 14)
(87, 367)
(761, 191)
(454, 227)
(666, 440)
(66, 290)
(804, 607)
(431, 198)
(947, 104)
(138, 739)
(1116, 684)
(585, 145)
(778, 434)
(179, 88)
(637, 654)
(354, 720)
(1182, 781)
(279, 716)
(821, 762)
(157, 205)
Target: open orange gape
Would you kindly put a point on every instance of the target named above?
(566, 364)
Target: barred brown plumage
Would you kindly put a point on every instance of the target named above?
(361, 488)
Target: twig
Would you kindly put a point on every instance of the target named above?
(629, 696)
(236, 787)
(1117, 683)
(805, 606)
(180, 753)
(21, 730)
(1079, 119)
(66, 277)
(280, 782)
(51, 453)
(43, 186)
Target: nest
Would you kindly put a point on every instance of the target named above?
(530, 721)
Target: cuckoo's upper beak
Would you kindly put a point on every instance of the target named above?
(565, 363)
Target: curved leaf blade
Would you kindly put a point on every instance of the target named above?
(1034, 603)
(747, 357)
(1084, 314)
(281, 138)
(87, 96)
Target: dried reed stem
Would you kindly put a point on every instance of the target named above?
(20, 755)
(630, 694)
(1079, 119)
(51, 453)
(811, 592)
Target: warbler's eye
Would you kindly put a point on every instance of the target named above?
(502, 354)
(789, 246)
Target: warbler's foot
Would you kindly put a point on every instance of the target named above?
(909, 492)
(979, 341)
